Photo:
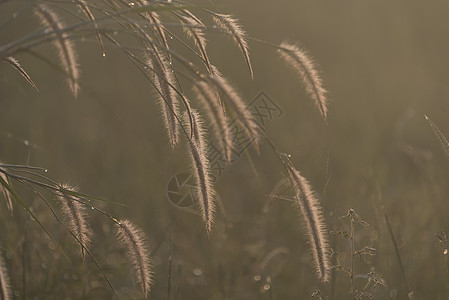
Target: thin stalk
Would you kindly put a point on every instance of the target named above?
(398, 256)
(352, 257)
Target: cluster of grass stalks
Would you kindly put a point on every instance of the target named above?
(167, 43)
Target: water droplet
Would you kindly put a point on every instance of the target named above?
(257, 277)
(171, 37)
(46, 171)
(445, 251)
(92, 208)
(197, 272)
(131, 3)
(289, 155)
(266, 287)
(26, 142)
(104, 54)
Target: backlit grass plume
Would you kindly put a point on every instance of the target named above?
(154, 19)
(194, 29)
(231, 26)
(208, 96)
(303, 64)
(62, 43)
(441, 138)
(5, 288)
(315, 226)
(135, 242)
(238, 106)
(165, 83)
(197, 149)
(7, 194)
(88, 13)
(75, 214)
(16, 65)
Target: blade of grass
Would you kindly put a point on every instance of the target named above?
(22, 203)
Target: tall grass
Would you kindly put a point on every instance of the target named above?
(222, 246)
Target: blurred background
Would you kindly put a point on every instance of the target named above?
(385, 65)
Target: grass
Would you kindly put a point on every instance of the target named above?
(110, 96)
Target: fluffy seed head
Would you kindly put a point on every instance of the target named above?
(204, 191)
(239, 107)
(7, 194)
(133, 239)
(164, 82)
(313, 218)
(231, 26)
(62, 43)
(15, 63)
(194, 29)
(301, 62)
(209, 98)
(5, 288)
(75, 214)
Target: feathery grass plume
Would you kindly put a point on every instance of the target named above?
(62, 43)
(278, 193)
(194, 29)
(209, 99)
(303, 64)
(15, 63)
(75, 214)
(5, 288)
(87, 12)
(441, 138)
(7, 194)
(239, 107)
(314, 220)
(164, 82)
(231, 25)
(134, 240)
(204, 191)
(155, 20)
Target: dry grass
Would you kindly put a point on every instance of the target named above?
(249, 248)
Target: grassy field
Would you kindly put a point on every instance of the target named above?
(108, 179)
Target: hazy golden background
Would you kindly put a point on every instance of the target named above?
(385, 65)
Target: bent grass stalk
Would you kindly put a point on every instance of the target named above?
(76, 216)
(231, 26)
(216, 116)
(168, 102)
(4, 281)
(16, 65)
(204, 191)
(134, 240)
(239, 107)
(301, 62)
(315, 226)
(65, 48)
